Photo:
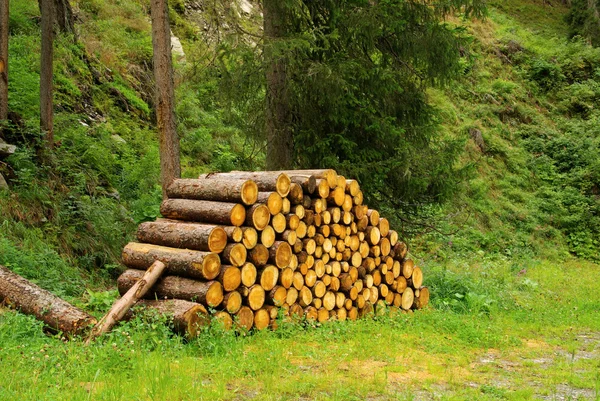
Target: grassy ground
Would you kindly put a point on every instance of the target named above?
(525, 335)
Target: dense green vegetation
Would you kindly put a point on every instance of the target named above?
(510, 255)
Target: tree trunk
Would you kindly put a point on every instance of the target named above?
(184, 262)
(280, 143)
(121, 306)
(208, 293)
(27, 297)
(163, 74)
(3, 62)
(201, 237)
(46, 115)
(64, 16)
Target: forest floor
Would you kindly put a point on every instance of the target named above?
(531, 334)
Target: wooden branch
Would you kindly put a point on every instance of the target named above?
(121, 306)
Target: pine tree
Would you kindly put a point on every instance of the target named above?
(354, 84)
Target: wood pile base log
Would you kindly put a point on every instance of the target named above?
(254, 245)
(57, 314)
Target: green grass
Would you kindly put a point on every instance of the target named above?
(541, 336)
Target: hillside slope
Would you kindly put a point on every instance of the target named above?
(528, 96)
(527, 107)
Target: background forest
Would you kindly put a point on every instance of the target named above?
(473, 127)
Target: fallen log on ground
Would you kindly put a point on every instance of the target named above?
(57, 314)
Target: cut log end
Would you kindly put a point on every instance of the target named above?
(232, 302)
(259, 217)
(214, 295)
(245, 318)
(238, 215)
(249, 192)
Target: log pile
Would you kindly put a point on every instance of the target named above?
(249, 244)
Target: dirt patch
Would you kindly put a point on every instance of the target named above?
(563, 392)
(409, 377)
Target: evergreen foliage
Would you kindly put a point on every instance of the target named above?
(357, 76)
(584, 20)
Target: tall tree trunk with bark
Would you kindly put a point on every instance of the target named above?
(64, 16)
(280, 143)
(46, 116)
(163, 73)
(3, 60)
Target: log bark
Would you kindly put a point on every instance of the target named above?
(170, 167)
(201, 237)
(265, 180)
(278, 115)
(236, 191)
(57, 314)
(224, 213)
(208, 293)
(187, 317)
(181, 262)
(121, 306)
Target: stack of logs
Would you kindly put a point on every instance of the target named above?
(246, 245)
